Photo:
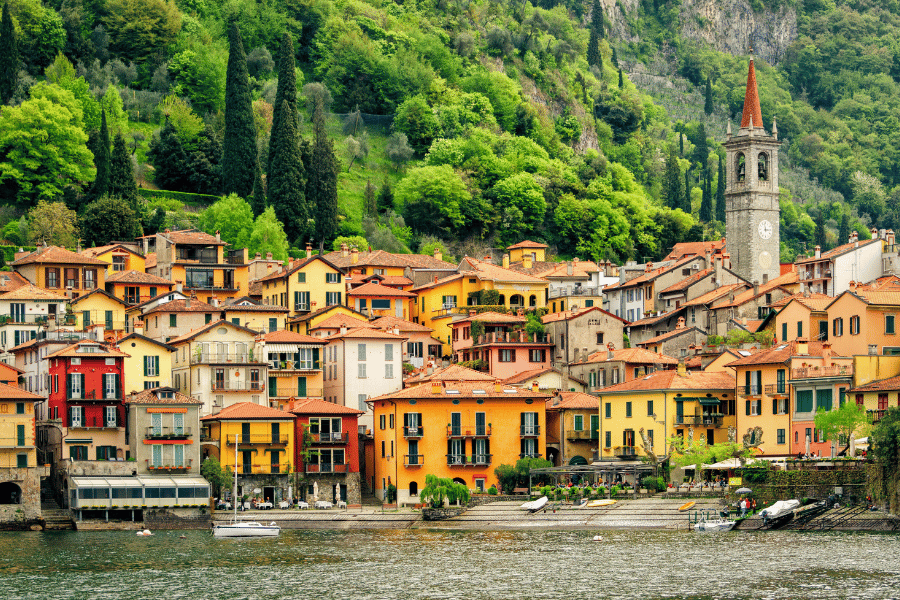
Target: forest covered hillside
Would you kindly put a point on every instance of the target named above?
(592, 125)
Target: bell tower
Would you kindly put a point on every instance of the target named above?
(751, 193)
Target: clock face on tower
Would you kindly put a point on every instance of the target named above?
(765, 229)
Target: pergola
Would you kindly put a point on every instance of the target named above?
(594, 473)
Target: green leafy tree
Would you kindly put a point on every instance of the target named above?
(109, 218)
(62, 73)
(672, 193)
(140, 29)
(268, 235)
(102, 157)
(116, 119)
(285, 184)
(385, 197)
(432, 198)
(286, 92)
(321, 186)
(43, 145)
(39, 33)
(220, 478)
(416, 120)
(437, 490)
(121, 174)
(884, 442)
(232, 217)
(239, 145)
(53, 223)
(523, 206)
(720, 192)
(842, 423)
(708, 98)
(9, 57)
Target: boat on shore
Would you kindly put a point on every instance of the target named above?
(237, 528)
(779, 514)
(714, 525)
(535, 505)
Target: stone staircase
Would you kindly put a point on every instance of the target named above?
(56, 518)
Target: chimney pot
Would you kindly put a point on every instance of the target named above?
(818, 251)
(435, 387)
(506, 261)
(497, 387)
(345, 252)
(438, 255)
(534, 386)
(218, 237)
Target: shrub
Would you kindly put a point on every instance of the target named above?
(492, 491)
(649, 482)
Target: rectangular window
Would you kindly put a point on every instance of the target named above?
(784, 332)
(332, 298)
(448, 302)
(799, 328)
(382, 420)
(110, 385)
(52, 278)
(854, 325)
(804, 401)
(608, 409)
(578, 421)
(507, 355)
(361, 370)
(781, 437)
(388, 352)
(332, 277)
(607, 439)
(90, 279)
(650, 412)
(360, 352)
(173, 320)
(151, 366)
(823, 399)
(110, 416)
(76, 385)
(22, 461)
(391, 423)
(156, 455)
(389, 371)
(628, 409)
(362, 402)
(889, 324)
(537, 356)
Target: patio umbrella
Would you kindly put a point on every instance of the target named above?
(852, 450)
(807, 445)
(315, 491)
(744, 490)
(337, 493)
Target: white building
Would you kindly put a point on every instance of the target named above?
(831, 272)
(362, 363)
(24, 311)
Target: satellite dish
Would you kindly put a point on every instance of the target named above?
(256, 490)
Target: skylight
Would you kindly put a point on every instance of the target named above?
(452, 391)
(479, 392)
(510, 391)
(744, 352)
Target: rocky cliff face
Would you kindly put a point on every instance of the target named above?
(618, 21)
(732, 26)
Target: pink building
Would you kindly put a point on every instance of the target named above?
(500, 344)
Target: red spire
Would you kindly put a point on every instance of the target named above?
(751, 101)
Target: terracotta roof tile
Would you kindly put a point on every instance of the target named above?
(656, 319)
(527, 244)
(889, 298)
(380, 258)
(56, 255)
(10, 281)
(376, 290)
(440, 281)
(687, 281)
(32, 292)
(684, 249)
(99, 292)
(668, 335)
(638, 356)
(342, 320)
(671, 380)
(528, 376)
(463, 389)
(389, 322)
(72, 352)
(319, 311)
(95, 252)
(248, 411)
(151, 396)
(778, 354)
(570, 314)
(713, 295)
(752, 112)
(132, 276)
(879, 385)
(192, 236)
(651, 275)
(492, 272)
(450, 373)
(195, 332)
(284, 336)
(11, 392)
(805, 300)
(150, 260)
(837, 251)
(189, 305)
(492, 317)
(569, 400)
(365, 333)
(317, 406)
(138, 336)
(246, 304)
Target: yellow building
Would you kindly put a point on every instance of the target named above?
(265, 447)
(135, 287)
(119, 257)
(867, 319)
(877, 396)
(460, 430)
(803, 317)
(258, 317)
(60, 270)
(148, 363)
(20, 475)
(309, 323)
(100, 308)
(573, 428)
(869, 367)
(664, 404)
(304, 286)
(535, 251)
(440, 300)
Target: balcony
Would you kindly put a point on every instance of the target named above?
(530, 431)
(705, 420)
(94, 423)
(511, 337)
(335, 437)
(814, 372)
(292, 392)
(582, 435)
(291, 365)
(258, 438)
(168, 433)
(625, 452)
(25, 319)
(460, 431)
(413, 432)
(875, 415)
(327, 468)
(469, 460)
(413, 460)
(749, 390)
(238, 386)
(481, 460)
(183, 468)
(779, 389)
(456, 460)
(219, 358)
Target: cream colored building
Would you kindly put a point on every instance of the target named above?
(149, 363)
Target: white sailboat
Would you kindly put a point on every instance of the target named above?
(238, 528)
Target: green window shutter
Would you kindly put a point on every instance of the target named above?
(236, 321)
(153, 292)
(774, 406)
(301, 277)
(20, 435)
(146, 370)
(747, 383)
(86, 318)
(273, 325)
(301, 387)
(748, 408)
(69, 387)
(118, 381)
(173, 320)
(109, 319)
(316, 364)
(784, 332)
(273, 387)
(207, 318)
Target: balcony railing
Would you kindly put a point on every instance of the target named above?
(292, 365)
(327, 468)
(749, 390)
(577, 290)
(168, 433)
(468, 431)
(530, 430)
(456, 460)
(707, 420)
(469, 460)
(170, 468)
(24, 319)
(413, 432)
(258, 438)
(831, 371)
(876, 415)
(94, 423)
(582, 434)
(511, 337)
(292, 392)
(413, 460)
(776, 389)
(335, 437)
(225, 357)
(238, 386)
(625, 452)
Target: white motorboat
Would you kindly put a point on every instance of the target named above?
(779, 513)
(236, 527)
(714, 525)
(535, 505)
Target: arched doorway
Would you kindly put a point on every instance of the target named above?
(458, 480)
(578, 460)
(532, 300)
(10, 493)
(413, 488)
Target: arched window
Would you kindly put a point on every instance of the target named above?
(517, 300)
(763, 166)
(413, 488)
(532, 300)
(458, 480)
(502, 300)
(10, 493)
(741, 168)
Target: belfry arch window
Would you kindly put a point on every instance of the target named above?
(741, 168)
(763, 166)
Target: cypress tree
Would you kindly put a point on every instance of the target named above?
(621, 80)
(673, 193)
(385, 198)
(286, 177)
(597, 19)
(9, 57)
(706, 210)
(708, 104)
(258, 204)
(286, 92)
(239, 146)
(615, 58)
(820, 230)
(370, 202)
(593, 50)
(101, 160)
(844, 231)
(121, 173)
(720, 192)
(681, 144)
(686, 203)
(321, 186)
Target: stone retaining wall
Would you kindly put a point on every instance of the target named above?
(480, 499)
(439, 514)
(175, 519)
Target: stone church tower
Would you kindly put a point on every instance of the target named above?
(751, 193)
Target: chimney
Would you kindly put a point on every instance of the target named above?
(534, 386)
(438, 255)
(574, 354)
(826, 354)
(343, 328)
(268, 267)
(818, 252)
(214, 301)
(345, 251)
(435, 279)
(874, 232)
(187, 303)
(497, 387)
(138, 327)
(179, 287)
(435, 387)
(648, 267)
(354, 256)
(505, 261)
(802, 347)
(218, 237)
(852, 285)
(526, 261)
(258, 256)
(609, 354)
(682, 368)
(570, 269)
(268, 256)
(889, 237)
(472, 312)
(309, 250)
(680, 324)
(873, 350)
(755, 288)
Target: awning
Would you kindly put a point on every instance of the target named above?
(79, 441)
(285, 348)
(709, 401)
(701, 399)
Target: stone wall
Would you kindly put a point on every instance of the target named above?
(326, 487)
(439, 514)
(176, 518)
(28, 510)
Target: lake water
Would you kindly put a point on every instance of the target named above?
(417, 563)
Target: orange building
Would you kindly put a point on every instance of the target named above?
(503, 346)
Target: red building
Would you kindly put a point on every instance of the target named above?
(334, 447)
(85, 393)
